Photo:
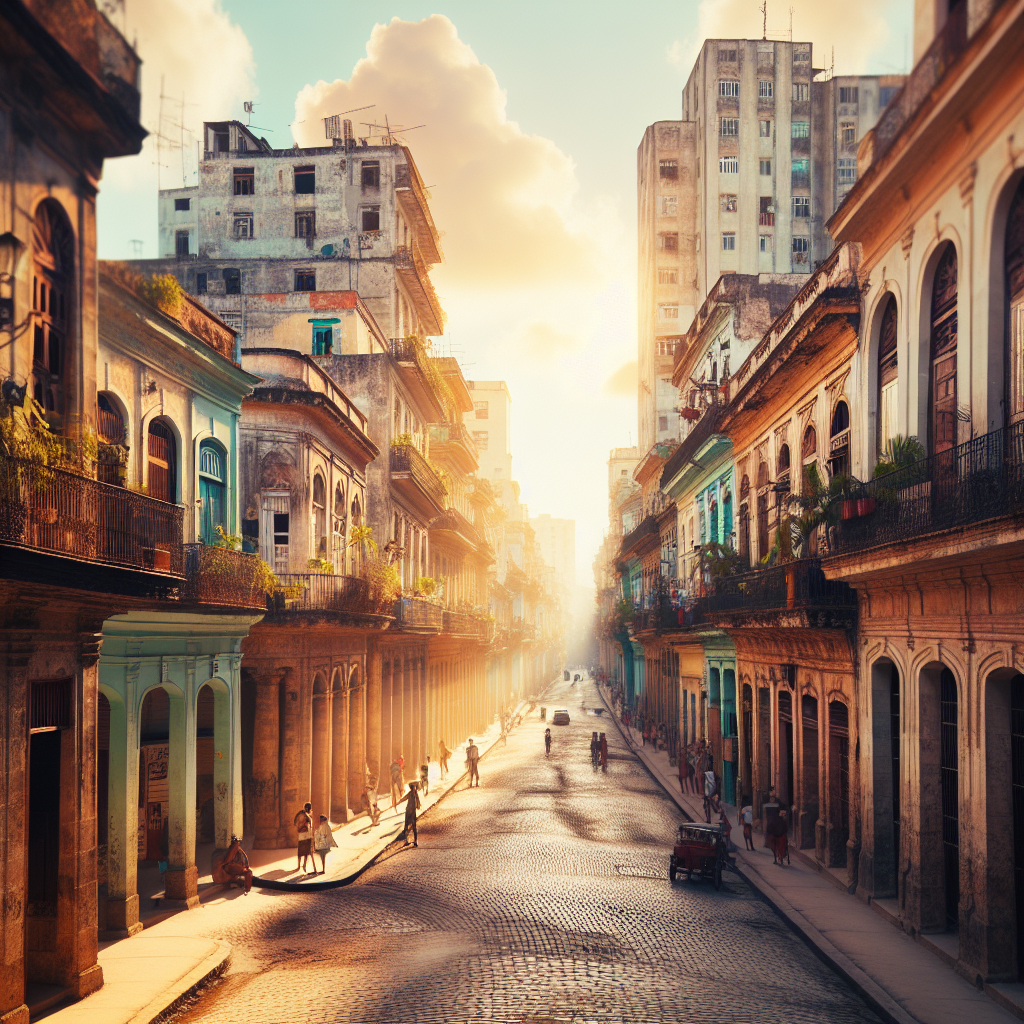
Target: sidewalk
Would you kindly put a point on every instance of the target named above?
(152, 972)
(901, 980)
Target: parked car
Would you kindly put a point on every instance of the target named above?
(561, 717)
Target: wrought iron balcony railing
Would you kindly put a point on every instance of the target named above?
(405, 459)
(978, 480)
(63, 513)
(467, 624)
(320, 592)
(799, 584)
(415, 613)
(222, 578)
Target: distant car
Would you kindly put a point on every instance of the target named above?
(561, 717)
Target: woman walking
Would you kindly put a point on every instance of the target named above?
(323, 842)
(443, 753)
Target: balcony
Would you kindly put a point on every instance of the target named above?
(982, 479)
(455, 441)
(468, 624)
(797, 586)
(647, 529)
(94, 529)
(222, 578)
(416, 615)
(422, 376)
(414, 273)
(319, 592)
(454, 527)
(417, 480)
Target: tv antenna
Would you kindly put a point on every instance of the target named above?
(332, 123)
(390, 135)
(764, 19)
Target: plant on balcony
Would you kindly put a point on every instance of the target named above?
(425, 586)
(231, 541)
(404, 439)
(320, 565)
(164, 292)
(901, 453)
(803, 514)
(264, 578)
(720, 560)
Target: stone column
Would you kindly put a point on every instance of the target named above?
(293, 794)
(339, 762)
(123, 818)
(266, 764)
(374, 683)
(356, 743)
(182, 877)
(227, 777)
(408, 715)
(320, 773)
(386, 753)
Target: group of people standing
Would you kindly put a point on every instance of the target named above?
(599, 750)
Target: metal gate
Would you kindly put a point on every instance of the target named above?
(1017, 787)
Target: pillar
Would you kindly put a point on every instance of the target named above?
(339, 759)
(408, 715)
(266, 764)
(292, 797)
(122, 824)
(227, 763)
(374, 696)
(182, 877)
(386, 753)
(320, 768)
(356, 742)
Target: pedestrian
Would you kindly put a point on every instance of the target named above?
(412, 805)
(473, 759)
(547, 741)
(443, 753)
(396, 782)
(684, 772)
(323, 842)
(425, 777)
(304, 824)
(710, 789)
(369, 800)
(595, 748)
(747, 821)
(726, 827)
(233, 868)
(776, 835)
(603, 747)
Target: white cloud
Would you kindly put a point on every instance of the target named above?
(191, 51)
(502, 197)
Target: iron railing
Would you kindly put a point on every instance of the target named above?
(320, 592)
(413, 612)
(648, 526)
(467, 624)
(791, 585)
(62, 512)
(223, 578)
(978, 480)
(453, 433)
(406, 459)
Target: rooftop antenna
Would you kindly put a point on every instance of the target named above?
(791, 23)
(136, 244)
(764, 19)
(332, 124)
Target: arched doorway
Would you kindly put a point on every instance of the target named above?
(809, 806)
(784, 781)
(888, 375)
(943, 323)
(320, 516)
(212, 491)
(205, 815)
(886, 720)
(839, 440)
(162, 462)
(1014, 262)
(747, 754)
(320, 761)
(838, 782)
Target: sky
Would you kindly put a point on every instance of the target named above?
(531, 114)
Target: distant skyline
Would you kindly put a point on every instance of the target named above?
(531, 118)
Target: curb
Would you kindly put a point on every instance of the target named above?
(869, 990)
(339, 883)
(210, 969)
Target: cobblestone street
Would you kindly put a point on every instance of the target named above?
(541, 896)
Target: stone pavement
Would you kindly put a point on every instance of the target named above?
(902, 980)
(149, 974)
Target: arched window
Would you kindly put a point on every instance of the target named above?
(109, 421)
(809, 458)
(162, 462)
(355, 552)
(112, 457)
(888, 375)
(839, 440)
(809, 446)
(212, 491)
(726, 515)
(320, 516)
(942, 393)
(762, 510)
(1014, 373)
(744, 523)
(53, 254)
(782, 467)
(713, 517)
(340, 529)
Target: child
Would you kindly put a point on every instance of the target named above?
(323, 842)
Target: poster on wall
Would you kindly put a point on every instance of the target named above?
(154, 796)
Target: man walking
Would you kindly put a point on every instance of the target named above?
(472, 759)
(303, 822)
(397, 782)
(412, 805)
(747, 821)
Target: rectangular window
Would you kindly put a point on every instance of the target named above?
(729, 165)
(729, 241)
(885, 95)
(305, 181)
(847, 170)
(766, 167)
(728, 202)
(848, 133)
(801, 56)
(480, 440)
(370, 172)
(180, 243)
(801, 206)
(200, 284)
(766, 212)
(729, 88)
(668, 169)
(305, 280)
(232, 282)
(242, 225)
(662, 424)
(765, 89)
(848, 94)
(668, 277)
(669, 206)
(670, 241)
(801, 129)
(305, 224)
(669, 312)
(369, 218)
(800, 247)
(182, 204)
(730, 126)
(801, 172)
(801, 92)
(481, 410)
(765, 243)
(726, 56)
(322, 340)
(244, 181)
(765, 128)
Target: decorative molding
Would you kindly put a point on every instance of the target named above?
(907, 241)
(966, 183)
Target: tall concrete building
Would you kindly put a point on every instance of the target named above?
(490, 424)
(743, 183)
(556, 540)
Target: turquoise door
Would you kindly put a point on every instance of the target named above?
(212, 492)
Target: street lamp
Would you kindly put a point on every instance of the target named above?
(10, 245)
